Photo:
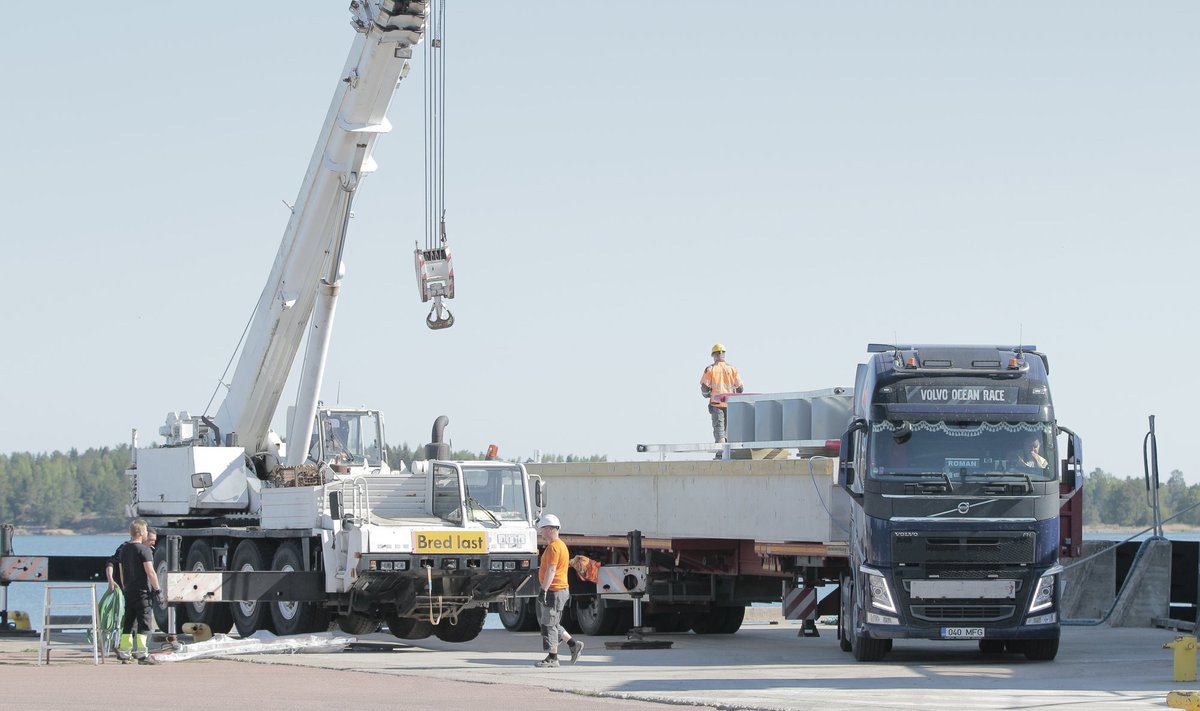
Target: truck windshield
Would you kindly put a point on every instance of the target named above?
(961, 451)
(496, 490)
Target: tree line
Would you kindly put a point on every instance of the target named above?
(89, 492)
(1110, 501)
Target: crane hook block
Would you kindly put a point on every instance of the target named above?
(435, 272)
(435, 280)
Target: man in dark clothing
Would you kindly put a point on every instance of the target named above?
(139, 582)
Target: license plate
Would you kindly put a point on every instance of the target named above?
(449, 542)
(962, 633)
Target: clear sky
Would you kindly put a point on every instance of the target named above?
(625, 185)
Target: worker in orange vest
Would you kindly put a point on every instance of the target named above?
(719, 380)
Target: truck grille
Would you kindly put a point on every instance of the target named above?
(984, 548)
(963, 613)
(972, 574)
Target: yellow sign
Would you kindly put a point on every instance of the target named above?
(449, 542)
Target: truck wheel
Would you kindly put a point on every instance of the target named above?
(864, 648)
(294, 617)
(357, 624)
(408, 628)
(523, 619)
(160, 611)
(468, 626)
(1041, 650)
(249, 617)
(216, 615)
(844, 615)
(867, 649)
(596, 618)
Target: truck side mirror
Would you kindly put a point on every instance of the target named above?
(1072, 466)
(846, 464)
(539, 493)
(335, 505)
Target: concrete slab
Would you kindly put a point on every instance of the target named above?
(770, 667)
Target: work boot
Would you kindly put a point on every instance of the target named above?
(576, 647)
(123, 656)
(148, 661)
(549, 661)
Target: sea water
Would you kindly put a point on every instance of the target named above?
(29, 597)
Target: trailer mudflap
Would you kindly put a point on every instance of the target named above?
(246, 586)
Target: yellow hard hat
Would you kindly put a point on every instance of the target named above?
(718, 348)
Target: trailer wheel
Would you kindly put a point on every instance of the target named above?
(668, 622)
(357, 624)
(719, 620)
(469, 625)
(523, 619)
(249, 617)
(408, 628)
(295, 617)
(734, 617)
(1040, 650)
(596, 617)
(216, 615)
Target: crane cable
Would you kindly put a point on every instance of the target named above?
(435, 130)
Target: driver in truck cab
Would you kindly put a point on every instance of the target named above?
(1030, 454)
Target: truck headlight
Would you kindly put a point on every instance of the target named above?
(878, 590)
(1043, 594)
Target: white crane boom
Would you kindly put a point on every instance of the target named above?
(308, 262)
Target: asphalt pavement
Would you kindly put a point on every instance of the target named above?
(763, 666)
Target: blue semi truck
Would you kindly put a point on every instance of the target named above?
(957, 469)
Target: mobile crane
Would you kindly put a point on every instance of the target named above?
(285, 537)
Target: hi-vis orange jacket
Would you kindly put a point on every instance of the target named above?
(719, 380)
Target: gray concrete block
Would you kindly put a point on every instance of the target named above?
(1146, 593)
(1090, 587)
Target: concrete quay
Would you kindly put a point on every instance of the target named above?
(763, 666)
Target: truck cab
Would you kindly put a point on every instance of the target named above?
(953, 462)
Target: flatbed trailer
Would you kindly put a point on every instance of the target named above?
(713, 537)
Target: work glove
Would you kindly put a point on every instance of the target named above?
(542, 595)
(156, 597)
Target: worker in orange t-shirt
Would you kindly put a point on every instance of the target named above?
(553, 593)
(719, 381)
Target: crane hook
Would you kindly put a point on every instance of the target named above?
(443, 319)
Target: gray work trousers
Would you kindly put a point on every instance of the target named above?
(550, 618)
(718, 419)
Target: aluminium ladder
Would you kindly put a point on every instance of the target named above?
(77, 622)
